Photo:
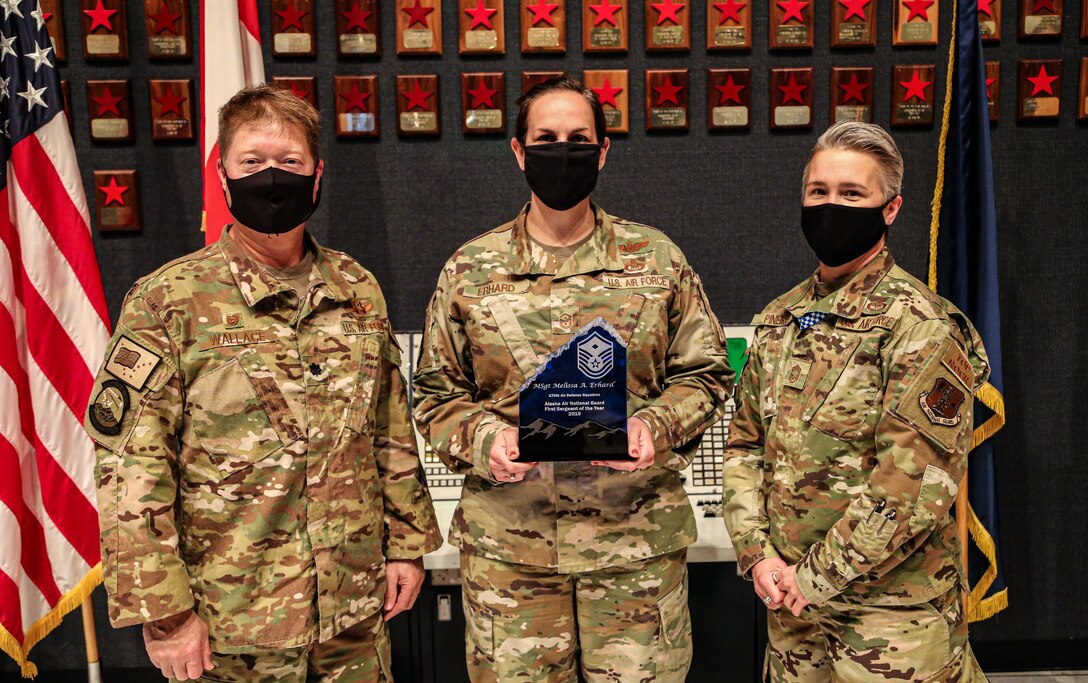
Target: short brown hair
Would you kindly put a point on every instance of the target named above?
(268, 105)
(867, 138)
(559, 84)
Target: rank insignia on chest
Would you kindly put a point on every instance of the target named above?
(797, 373)
(232, 320)
(941, 404)
(361, 306)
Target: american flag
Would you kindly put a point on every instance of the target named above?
(230, 59)
(54, 326)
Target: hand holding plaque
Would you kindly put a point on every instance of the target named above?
(575, 406)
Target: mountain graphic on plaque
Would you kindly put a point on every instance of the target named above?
(574, 407)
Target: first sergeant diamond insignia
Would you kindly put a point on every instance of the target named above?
(132, 363)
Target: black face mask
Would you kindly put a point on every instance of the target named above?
(839, 234)
(561, 174)
(273, 201)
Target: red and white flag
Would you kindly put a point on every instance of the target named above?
(54, 327)
(230, 59)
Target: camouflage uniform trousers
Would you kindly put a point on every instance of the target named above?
(859, 643)
(627, 623)
(359, 654)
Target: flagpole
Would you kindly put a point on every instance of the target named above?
(962, 512)
(90, 641)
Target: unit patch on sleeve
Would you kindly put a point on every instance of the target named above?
(109, 407)
(941, 404)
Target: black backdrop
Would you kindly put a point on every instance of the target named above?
(729, 200)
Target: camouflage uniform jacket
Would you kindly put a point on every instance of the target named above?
(851, 437)
(256, 457)
(500, 307)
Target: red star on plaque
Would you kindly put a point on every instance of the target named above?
(417, 97)
(298, 92)
(165, 20)
(793, 9)
(542, 13)
(915, 87)
(606, 11)
(918, 8)
(854, 8)
(607, 94)
(730, 10)
(667, 11)
(481, 16)
(417, 14)
(1042, 82)
(106, 102)
(668, 92)
(1048, 5)
(100, 16)
(292, 16)
(854, 90)
(357, 17)
(792, 91)
(984, 7)
(483, 96)
(356, 99)
(169, 102)
(730, 92)
(989, 82)
(114, 192)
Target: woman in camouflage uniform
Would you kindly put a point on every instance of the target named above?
(570, 565)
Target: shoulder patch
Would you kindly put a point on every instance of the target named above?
(132, 363)
(941, 404)
(107, 410)
(955, 360)
(936, 404)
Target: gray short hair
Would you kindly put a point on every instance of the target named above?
(866, 138)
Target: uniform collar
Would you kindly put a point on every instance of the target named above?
(597, 254)
(256, 284)
(852, 299)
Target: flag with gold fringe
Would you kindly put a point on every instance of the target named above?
(963, 269)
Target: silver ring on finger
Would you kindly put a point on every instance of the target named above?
(775, 576)
(767, 600)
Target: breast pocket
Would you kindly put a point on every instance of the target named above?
(848, 393)
(362, 383)
(238, 413)
(644, 323)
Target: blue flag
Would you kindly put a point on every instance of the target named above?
(963, 269)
